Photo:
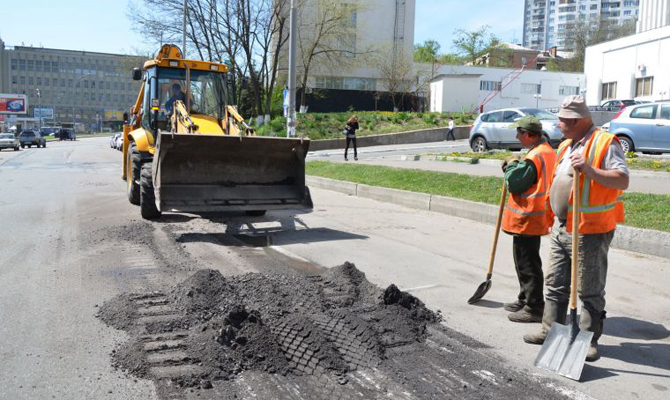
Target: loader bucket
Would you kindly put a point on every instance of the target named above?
(210, 173)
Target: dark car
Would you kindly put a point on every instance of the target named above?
(616, 105)
(32, 138)
(68, 134)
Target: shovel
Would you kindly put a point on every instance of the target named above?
(486, 285)
(564, 350)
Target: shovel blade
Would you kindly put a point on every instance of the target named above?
(563, 354)
(480, 292)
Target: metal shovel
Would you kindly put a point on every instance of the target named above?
(486, 285)
(564, 350)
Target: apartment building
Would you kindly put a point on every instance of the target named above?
(79, 86)
(547, 23)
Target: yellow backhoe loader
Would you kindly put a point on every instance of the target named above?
(186, 149)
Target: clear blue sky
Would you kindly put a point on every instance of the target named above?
(102, 25)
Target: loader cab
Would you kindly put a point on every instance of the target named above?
(207, 91)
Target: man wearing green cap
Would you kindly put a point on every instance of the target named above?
(528, 216)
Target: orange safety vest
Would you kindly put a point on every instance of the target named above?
(601, 207)
(528, 213)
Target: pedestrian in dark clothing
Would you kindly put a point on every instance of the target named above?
(450, 132)
(350, 129)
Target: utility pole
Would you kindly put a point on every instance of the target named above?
(290, 120)
(39, 107)
(183, 34)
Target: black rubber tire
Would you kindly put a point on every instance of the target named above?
(627, 144)
(133, 171)
(44, 146)
(255, 213)
(16, 149)
(148, 207)
(23, 146)
(479, 145)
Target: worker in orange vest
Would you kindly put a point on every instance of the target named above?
(528, 216)
(603, 176)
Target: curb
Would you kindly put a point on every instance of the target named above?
(645, 241)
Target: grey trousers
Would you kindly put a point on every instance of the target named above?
(592, 269)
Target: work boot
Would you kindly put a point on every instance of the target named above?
(355, 158)
(514, 306)
(592, 354)
(553, 312)
(525, 315)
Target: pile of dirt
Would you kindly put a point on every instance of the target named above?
(287, 324)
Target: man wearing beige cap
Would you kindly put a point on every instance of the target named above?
(598, 157)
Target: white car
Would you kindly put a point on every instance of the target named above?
(119, 143)
(9, 141)
(112, 140)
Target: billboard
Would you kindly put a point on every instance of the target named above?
(113, 115)
(13, 103)
(44, 113)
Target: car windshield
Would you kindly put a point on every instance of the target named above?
(28, 134)
(542, 115)
(7, 136)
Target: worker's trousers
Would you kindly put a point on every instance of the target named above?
(528, 263)
(592, 270)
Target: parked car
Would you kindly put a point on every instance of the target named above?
(119, 143)
(113, 139)
(616, 105)
(32, 138)
(9, 141)
(491, 130)
(68, 134)
(643, 127)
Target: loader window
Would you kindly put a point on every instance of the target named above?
(207, 90)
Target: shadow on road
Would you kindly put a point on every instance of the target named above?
(655, 355)
(631, 328)
(488, 304)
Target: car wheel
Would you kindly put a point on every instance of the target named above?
(133, 172)
(23, 146)
(148, 207)
(626, 144)
(16, 148)
(479, 145)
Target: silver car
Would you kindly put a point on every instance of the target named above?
(643, 127)
(9, 141)
(492, 129)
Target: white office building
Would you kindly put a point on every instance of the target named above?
(547, 23)
(464, 88)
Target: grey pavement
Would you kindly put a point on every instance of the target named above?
(392, 156)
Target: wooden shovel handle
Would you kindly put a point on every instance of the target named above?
(576, 205)
(501, 209)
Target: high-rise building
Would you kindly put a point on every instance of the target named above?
(548, 23)
(80, 86)
(653, 14)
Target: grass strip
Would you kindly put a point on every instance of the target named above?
(643, 210)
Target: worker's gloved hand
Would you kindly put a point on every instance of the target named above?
(511, 160)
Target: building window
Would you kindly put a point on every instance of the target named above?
(491, 86)
(15, 64)
(23, 80)
(530, 88)
(15, 79)
(39, 81)
(609, 91)
(31, 65)
(644, 86)
(31, 81)
(85, 83)
(568, 90)
(22, 65)
(54, 66)
(38, 66)
(62, 82)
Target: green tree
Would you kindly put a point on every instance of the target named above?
(471, 45)
(427, 52)
(584, 34)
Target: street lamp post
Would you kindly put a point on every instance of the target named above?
(537, 99)
(39, 108)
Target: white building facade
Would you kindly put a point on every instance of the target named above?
(547, 23)
(634, 67)
(464, 88)
(653, 14)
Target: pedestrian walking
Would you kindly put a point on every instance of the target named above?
(350, 132)
(528, 217)
(603, 176)
(450, 132)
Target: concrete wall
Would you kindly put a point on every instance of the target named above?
(420, 136)
(624, 60)
(455, 93)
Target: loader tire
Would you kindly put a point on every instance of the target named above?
(148, 207)
(133, 172)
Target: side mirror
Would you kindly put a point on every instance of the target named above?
(137, 74)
